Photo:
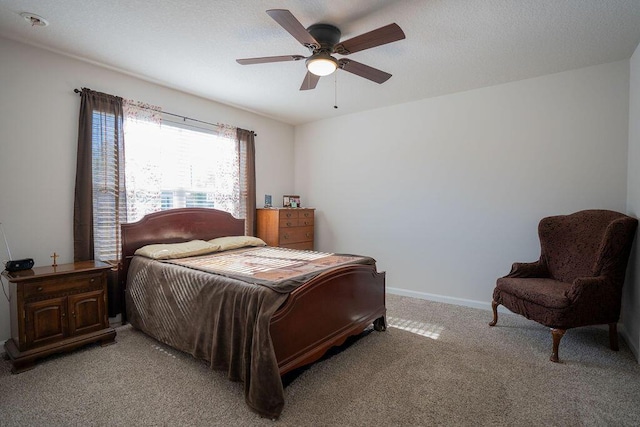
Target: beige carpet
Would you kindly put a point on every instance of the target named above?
(445, 367)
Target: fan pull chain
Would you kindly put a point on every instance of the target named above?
(335, 95)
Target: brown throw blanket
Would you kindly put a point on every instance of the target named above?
(224, 318)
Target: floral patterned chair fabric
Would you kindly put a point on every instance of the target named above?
(578, 279)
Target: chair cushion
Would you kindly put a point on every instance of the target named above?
(545, 292)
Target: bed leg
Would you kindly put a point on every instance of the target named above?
(380, 324)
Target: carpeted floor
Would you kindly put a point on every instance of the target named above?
(437, 364)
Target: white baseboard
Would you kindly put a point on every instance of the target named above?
(482, 305)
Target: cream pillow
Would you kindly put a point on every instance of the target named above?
(177, 250)
(235, 242)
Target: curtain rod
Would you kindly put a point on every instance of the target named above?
(78, 91)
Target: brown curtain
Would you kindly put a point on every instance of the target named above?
(99, 128)
(246, 140)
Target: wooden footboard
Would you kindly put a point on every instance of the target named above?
(325, 312)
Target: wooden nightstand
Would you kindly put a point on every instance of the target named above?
(56, 309)
(286, 227)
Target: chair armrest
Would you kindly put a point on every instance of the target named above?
(590, 288)
(528, 269)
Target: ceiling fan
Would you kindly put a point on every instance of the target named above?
(323, 40)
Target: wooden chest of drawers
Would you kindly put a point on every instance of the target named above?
(56, 309)
(286, 227)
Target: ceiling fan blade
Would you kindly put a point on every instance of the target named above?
(265, 59)
(310, 81)
(383, 35)
(365, 71)
(293, 26)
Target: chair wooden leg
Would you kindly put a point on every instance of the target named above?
(613, 336)
(494, 307)
(557, 335)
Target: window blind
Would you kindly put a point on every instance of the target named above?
(109, 206)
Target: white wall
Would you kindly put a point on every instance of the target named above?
(447, 192)
(38, 140)
(631, 291)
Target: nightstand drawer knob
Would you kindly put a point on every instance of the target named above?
(39, 288)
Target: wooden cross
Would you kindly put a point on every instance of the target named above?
(54, 256)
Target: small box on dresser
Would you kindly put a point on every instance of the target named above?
(286, 227)
(56, 309)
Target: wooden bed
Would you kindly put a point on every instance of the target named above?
(317, 315)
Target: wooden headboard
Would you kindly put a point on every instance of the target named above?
(174, 226)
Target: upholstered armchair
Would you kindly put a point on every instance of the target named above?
(578, 279)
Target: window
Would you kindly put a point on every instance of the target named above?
(172, 166)
(141, 165)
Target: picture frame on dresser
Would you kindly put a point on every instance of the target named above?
(290, 201)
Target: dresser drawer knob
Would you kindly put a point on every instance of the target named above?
(308, 234)
(93, 280)
(288, 215)
(39, 288)
(289, 224)
(286, 236)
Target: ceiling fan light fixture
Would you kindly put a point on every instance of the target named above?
(322, 64)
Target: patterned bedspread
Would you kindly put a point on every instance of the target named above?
(280, 269)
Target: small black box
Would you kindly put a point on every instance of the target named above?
(19, 264)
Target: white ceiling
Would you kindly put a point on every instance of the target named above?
(451, 45)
